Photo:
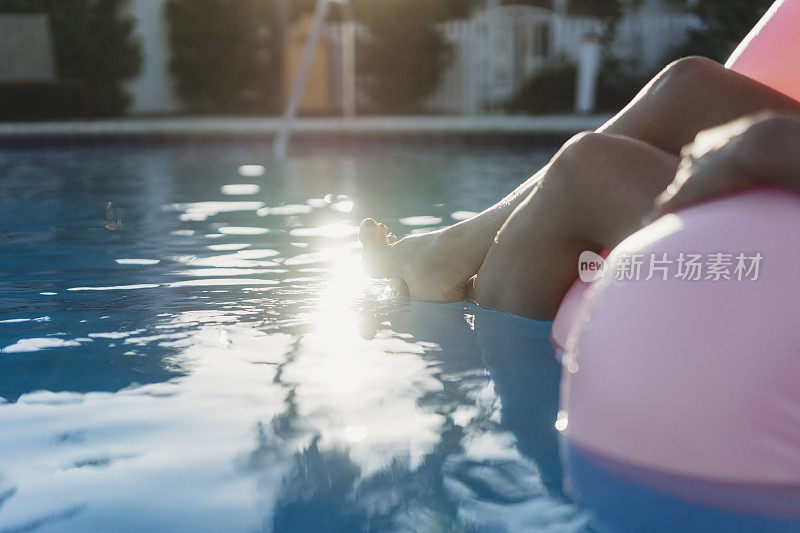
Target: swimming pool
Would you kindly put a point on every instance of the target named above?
(189, 343)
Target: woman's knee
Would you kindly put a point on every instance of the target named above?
(570, 179)
(572, 167)
(594, 161)
(682, 75)
(581, 145)
(597, 175)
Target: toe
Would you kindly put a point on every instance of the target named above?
(382, 231)
(368, 233)
(373, 241)
(391, 238)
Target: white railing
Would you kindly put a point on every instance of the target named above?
(571, 32)
(494, 52)
(497, 49)
(646, 40)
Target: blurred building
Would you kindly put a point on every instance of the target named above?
(152, 90)
(501, 46)
(496, 50)
(27, 51)
(319, 96)
(29, 82)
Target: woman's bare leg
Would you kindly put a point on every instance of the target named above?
(688, 96)
(691, 95)
(594, 195)
(435, 266)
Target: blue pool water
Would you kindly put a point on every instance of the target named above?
(189, 344)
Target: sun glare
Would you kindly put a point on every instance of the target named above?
(336, 316)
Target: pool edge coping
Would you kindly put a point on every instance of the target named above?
(160, 130)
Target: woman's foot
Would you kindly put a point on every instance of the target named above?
(432, 265)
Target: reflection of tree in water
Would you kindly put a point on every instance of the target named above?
(325, 492)
(325, 489)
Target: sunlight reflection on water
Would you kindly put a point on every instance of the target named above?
(245, 374)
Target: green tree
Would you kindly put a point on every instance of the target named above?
(404, 55)
(725, 24)
(225, 57)
(93, 43)
(549, 90)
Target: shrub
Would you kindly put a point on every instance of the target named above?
(225, 56)
(549, 90)
(724, 24)
(32, 100)
(552, 89)
(405, 54)
(617, 85)
(94, 44)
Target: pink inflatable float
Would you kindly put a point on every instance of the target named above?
(770, 51)
(696, 372)
(681, 391)
(767, 55)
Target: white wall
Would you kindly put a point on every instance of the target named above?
(152, 90)
(26, 53)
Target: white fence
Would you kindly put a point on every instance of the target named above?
(497, 49)
(644, 39)
(494, 52)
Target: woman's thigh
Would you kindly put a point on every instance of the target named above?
(691, 95)
(594, 194)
